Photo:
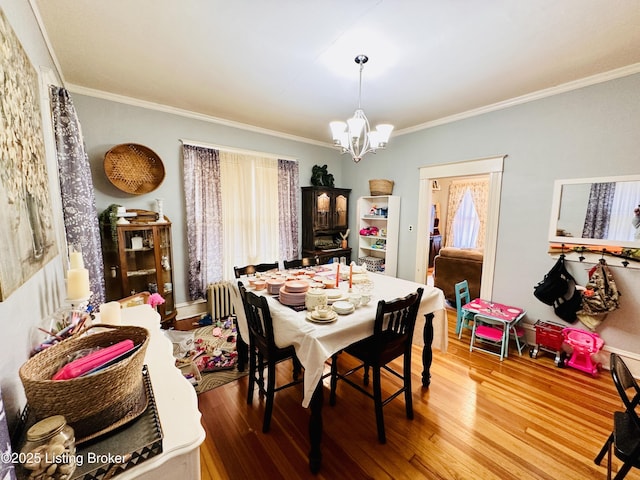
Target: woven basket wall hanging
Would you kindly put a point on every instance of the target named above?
(133, 168)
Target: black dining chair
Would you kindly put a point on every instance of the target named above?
(392, 338)
(625, 438)
(263, 352)
(300, 263)
(251, 269)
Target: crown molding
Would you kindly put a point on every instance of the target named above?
(530, 97)
(188, 114)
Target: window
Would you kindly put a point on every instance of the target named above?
(241, 209)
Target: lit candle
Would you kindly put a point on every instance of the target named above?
(78, 283)
(351, 275)
(75, 260)
(337, 274)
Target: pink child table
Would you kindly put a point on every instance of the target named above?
(506, 314)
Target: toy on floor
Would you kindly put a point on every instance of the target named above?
(549, 338)
(584, 344)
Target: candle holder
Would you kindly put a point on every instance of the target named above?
(160, 210)
(78, 303)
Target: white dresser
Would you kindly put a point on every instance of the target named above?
(177, 406)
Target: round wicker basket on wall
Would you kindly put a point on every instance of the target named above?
(380, 187)
(133, 168)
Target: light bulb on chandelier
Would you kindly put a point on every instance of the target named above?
(354, 135)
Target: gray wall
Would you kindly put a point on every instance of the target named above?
(107, 123)
(588, 132)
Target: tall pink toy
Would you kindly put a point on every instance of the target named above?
(584, 344)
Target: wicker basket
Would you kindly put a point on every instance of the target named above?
(381, 187)
(94, 404)
(133, 168)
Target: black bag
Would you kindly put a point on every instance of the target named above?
(554, 284)
(567, 309)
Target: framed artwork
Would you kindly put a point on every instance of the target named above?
(27, 236)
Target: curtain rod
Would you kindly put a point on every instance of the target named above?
(225, 148)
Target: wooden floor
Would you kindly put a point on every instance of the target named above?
(480, 419)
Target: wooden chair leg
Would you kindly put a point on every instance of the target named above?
(377, 399)
(365, 380)
(271, 386)
(334, 379)
(252, 375)
(260, 362)
(408, 400)
(603, 450)
(243, 351)
(297, 369)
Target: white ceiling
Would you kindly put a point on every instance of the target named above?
(288, 65)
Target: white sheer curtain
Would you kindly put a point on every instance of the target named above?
(466, 223)
(249, 210)
(464, 233)
(625, 198)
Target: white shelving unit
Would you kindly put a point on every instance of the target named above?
(383, 212)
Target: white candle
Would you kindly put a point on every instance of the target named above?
(110, 313)
(78, 283)
(75, 260)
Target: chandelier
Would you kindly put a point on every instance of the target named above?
(355, 136)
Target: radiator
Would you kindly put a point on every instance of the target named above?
(219, 303)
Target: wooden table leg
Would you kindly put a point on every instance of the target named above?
(427, 354)
(315, 429)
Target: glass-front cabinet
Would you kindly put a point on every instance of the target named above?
(330, 210)
(325, 215)
(140, 260)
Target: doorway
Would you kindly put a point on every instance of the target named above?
(493, 167)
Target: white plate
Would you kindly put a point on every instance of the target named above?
(323, 320)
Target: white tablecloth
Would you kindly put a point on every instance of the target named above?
(315, 343)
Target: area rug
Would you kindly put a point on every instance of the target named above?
(218, 365)
(207, 355)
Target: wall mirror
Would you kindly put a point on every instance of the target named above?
(596, 211)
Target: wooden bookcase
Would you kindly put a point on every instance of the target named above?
(383, 213)
(138, 257)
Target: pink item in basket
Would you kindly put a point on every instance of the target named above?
(93, 360)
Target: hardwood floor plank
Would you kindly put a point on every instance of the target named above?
(522, 418)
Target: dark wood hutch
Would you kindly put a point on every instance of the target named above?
(325, 215)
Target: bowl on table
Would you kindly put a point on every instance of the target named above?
(343, 307)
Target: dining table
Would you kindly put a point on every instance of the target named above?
(315, 342)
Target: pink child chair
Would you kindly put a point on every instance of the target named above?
(584, 344)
